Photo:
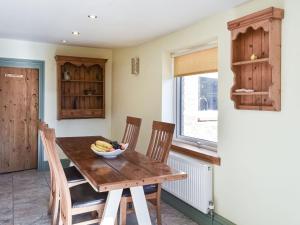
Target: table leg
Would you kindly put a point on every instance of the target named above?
(140, 205)
(111, 207)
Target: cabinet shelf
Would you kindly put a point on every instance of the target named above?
(251, 93)
(246, 62)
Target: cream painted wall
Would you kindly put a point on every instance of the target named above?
(258, 182)
(140, 95)
(46, 53)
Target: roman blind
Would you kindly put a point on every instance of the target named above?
(203, 61)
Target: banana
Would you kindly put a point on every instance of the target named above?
(104, 144)
(97, 149)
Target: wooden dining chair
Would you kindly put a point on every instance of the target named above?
(72, 174)
(158, 150)
(132, 131)
(42, 126)
(77, 199)
(74, 177)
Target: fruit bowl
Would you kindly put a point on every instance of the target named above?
(109, 155)
(106, 150)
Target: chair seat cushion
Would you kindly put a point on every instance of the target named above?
(83, 195)
(148, 189)
(73, 175)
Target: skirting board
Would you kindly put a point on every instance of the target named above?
(45, 164)
(193, 213)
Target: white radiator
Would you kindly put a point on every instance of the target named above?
(196, 190)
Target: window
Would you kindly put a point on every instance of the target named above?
(208, 92)
(197, 107)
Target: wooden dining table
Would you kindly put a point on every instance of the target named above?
(129, 170)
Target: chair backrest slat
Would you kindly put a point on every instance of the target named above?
(132, 131)
(160, 141)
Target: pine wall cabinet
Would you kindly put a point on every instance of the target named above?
(256, 60)
(80, 87)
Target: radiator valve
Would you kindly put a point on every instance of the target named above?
(211, 206)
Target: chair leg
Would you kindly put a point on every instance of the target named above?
(123, 211)
(100, 212)
(50, 206)
(56, 211)
(158, 212)
(60, 222)
(158, 206)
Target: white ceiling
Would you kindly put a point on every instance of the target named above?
(120, 22)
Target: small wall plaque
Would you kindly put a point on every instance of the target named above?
(135, 65)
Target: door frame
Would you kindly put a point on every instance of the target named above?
(32, 64)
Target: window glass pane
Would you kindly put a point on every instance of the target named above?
(199, 106)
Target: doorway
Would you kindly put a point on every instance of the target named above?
(21, 94)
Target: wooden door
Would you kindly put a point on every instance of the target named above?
(18, 118)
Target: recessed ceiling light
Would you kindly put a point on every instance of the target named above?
(76, 33)
(64, 41)
(91, 16)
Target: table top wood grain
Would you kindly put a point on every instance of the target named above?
(129, 169)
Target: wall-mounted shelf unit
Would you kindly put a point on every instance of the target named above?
(80, 87)
(256, 60)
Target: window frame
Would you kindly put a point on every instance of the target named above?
(201, 143)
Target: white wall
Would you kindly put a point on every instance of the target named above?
(258, 182)
(47, 52)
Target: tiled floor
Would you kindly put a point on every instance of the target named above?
(24, 201)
